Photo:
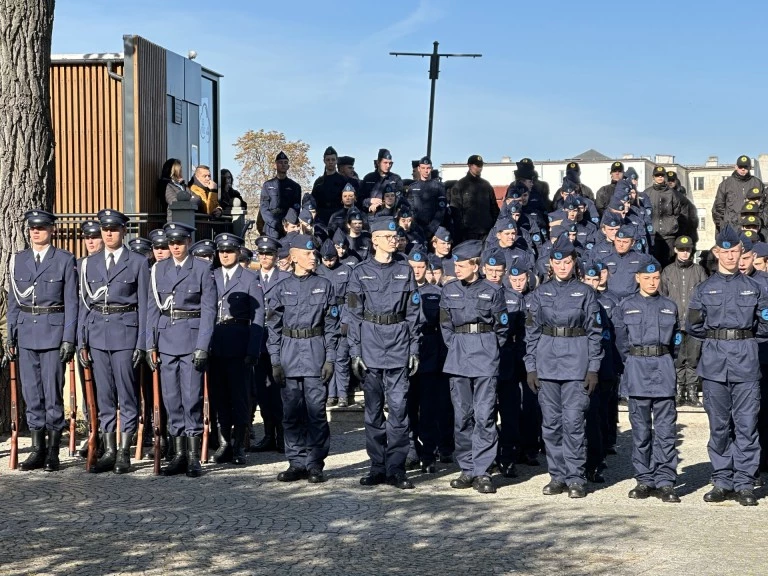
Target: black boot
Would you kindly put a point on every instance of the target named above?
(107, 462)
(178, 463)
(193, 456)
(224, 452)
(680, 400)
(36, 458)
(693, 396)
(170, 451)
(238, 446)
(52, 459)
(123, 460)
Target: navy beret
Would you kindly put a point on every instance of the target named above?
(626, 231)
(384, 154)
(727, 237)
(328, 250)
(330, 151)
(340, 239)
(494, 257)
(291, 216)
(760, 249)
(281, 156)
(385, 224)
(562, 248)
(306, 216)
(303, 242)
(443, 234)
(467, 249)
(648, 265)
(436, 263)
(418, 254)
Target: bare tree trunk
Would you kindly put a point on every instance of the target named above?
(26, 136)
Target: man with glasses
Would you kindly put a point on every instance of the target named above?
(42, 320)
(384, 317)
(114, 287)
(204, 187)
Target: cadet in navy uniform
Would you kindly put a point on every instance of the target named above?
(277, 196)
(235, 346)
(266, 392)
(622, 262)
(563, 353)
(303, 324)
(474, 322)
(114, 285)
(182, 313)
(42, 320)
(384, 311)
(727, 311)
(646, 335)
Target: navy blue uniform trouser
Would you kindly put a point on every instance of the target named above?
(564, 405)
(305, 424)
(734, 449)
(228, 384)
(338, 387)
(42, 381)
(509, 397)
(594, 432)
(115, 382)
(654, 456)
(182, 394)
(530, 418)
(762, 421)
(386, 441)
(474, 430)
(268, 397)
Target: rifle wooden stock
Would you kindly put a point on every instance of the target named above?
(93, 418)
(14, 458)
(72, 409)
(156, 413)
(140, 433)
(206, 418)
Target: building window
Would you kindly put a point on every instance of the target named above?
(698, 183)
(702, 213)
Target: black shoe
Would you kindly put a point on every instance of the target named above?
(693, 397)
(36, 458)
(530, 460)
(238, 445)
(315, 476)
(293, 474)
(494, 468)
(178, 463)
(717, 494)
(746, 497)
(400, 481)
(373, 479)
(595, 477)
(428, 467)
(577, 491)
(668, 495)
(52, 458)
(758, 483)
(194, 469)
(223, 453)
(484, 485)
(554, 488)
(411, 464)
(123, 460)
(343, 402)
(640, 492)
(107, 461)
(332, 401)
(446, 458)
(463, 482)
(266, 444)
(509, 470)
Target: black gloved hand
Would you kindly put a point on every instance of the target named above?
(85, 358)
(278, 375)
(137, 358)
(590, 383)
(413, 364)
(358, 367)
(327, 372)
(153, 359)
(66, 352)
(533, 382)
(9, 352)
(200, 359)
(251, 360)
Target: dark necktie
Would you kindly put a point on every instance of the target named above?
(37, 261)
(226, 280)
(178, 268)
(110, 261)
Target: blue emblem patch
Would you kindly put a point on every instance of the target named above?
(492, 261)
(678, 339)
(726, 245)
(590, 245)
(557, 255)
(455, 258)
(606, 335)
(334, 311)
(648, 211)
(650, 268)
(514, 272)
(417, 257)
(595, 220)
(598, 318)
(310, 245)
(649, 228)
(504, 319)
(392, 226)
(441, 204)
(764, 314)
(536, 238)
(415, 298)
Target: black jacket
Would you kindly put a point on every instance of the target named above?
(731, 194)
(678, 280)
(474, 207)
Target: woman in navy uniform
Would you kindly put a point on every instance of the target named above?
(42, 320)
(563, 353)
(646, 335)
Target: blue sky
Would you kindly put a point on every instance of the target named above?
(555, 79)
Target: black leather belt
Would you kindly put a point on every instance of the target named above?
(729, 334)
(563, 331)
(41, 309)
(114, 308)
(303, 333)
(243, 321)
(181, 314)
(473, 328)
(384, 318)
(648, 351)
(430, 329)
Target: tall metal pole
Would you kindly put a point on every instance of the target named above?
(434, 72)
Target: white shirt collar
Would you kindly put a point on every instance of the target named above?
(117, 253)
(42, 253)
(228, 274)
(177, 263)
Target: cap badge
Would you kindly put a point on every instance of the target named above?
(726, 245)
(310, 245)
(492, 261)
(683, 240)
(392, 226)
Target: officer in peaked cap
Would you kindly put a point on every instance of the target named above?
(160, 249)
(265, 391)
(303, 324)
(384, 310)
(42, 322)
(114, 285)
(180, 323)
(235, 346)
(473, 317)
(141, 246)
(205, 249)
(277, 196)
(727, 311)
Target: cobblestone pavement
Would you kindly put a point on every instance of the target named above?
(245, 522)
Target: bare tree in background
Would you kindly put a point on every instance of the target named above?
(26, 135)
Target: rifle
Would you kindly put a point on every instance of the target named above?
(93, 411)
(14, 458)
(206, 418)
(72, 408)
(140, 433)
(156, 408)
